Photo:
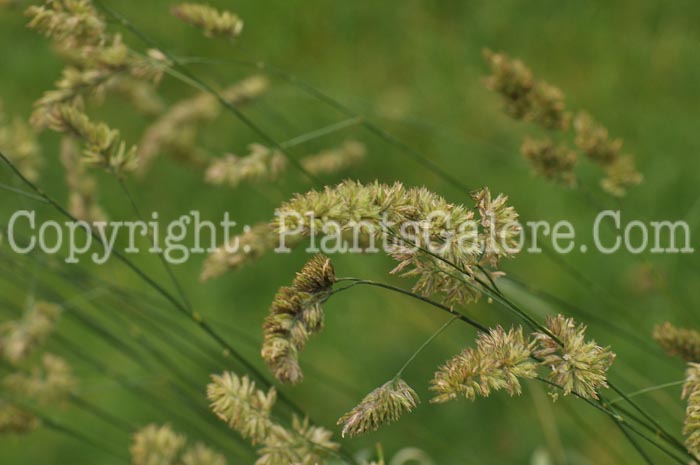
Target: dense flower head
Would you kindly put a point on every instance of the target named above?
(303, 444)
(213, 23)
(242, 249)
(73, 22)
(550, 160)
(82, 186)
(16, 420)
(160, 445)
(501, 358)
(430, 232)
(103, 145)
(678, 342)
(691, 392)
(383, 406)
(577, 366)
(524, 97)
(260, 164)
(199, 454)
(19, 143)
(49, 383)
(334, 160)
(295, 315)
(241, 405)
(156, 445)
(18, 339)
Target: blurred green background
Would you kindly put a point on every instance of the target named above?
(414, 68)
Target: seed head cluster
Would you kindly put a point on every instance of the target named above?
(212, 22)
(576, 365)
(295, 315)
(528, 99)
(247, 410)
(678, 342)
(501, 358)
(383, 406)
(455, 250)
(160, 445)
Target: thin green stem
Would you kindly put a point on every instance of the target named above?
(424, 345)
(647, 390)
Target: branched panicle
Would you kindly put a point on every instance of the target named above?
(103, 145)
(528, 99)
(98, 61)
(524, 97)
(212, 22)
(175, 132)
(295, 315)
(550, 160)
(691, 392)
(156, 445)
(501, 358)
(261, 164)
(18, 339)
(15, 420)
(453, 233)
(383, 406)
(50, 383)
(678, 342)
(244, 408)
(577, 366)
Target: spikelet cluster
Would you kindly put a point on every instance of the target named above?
(82, 186)
(18, 339)
(175, 132)
(678, 342)
(160, 445)
(550, 160)
(453, 231)
(691, 392)
(577, 366)
(240, 250)
(303, 444)
(15, 420)
(331, 161)
(50, 383)
(247, 410)
(498, 362)
(212, 22)
(102, 145)
(19, 143)
(156, 445)
(261, 164)
(525, 98)
(383, 406)
(593, 139)
(72, 22)
(295, 315)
